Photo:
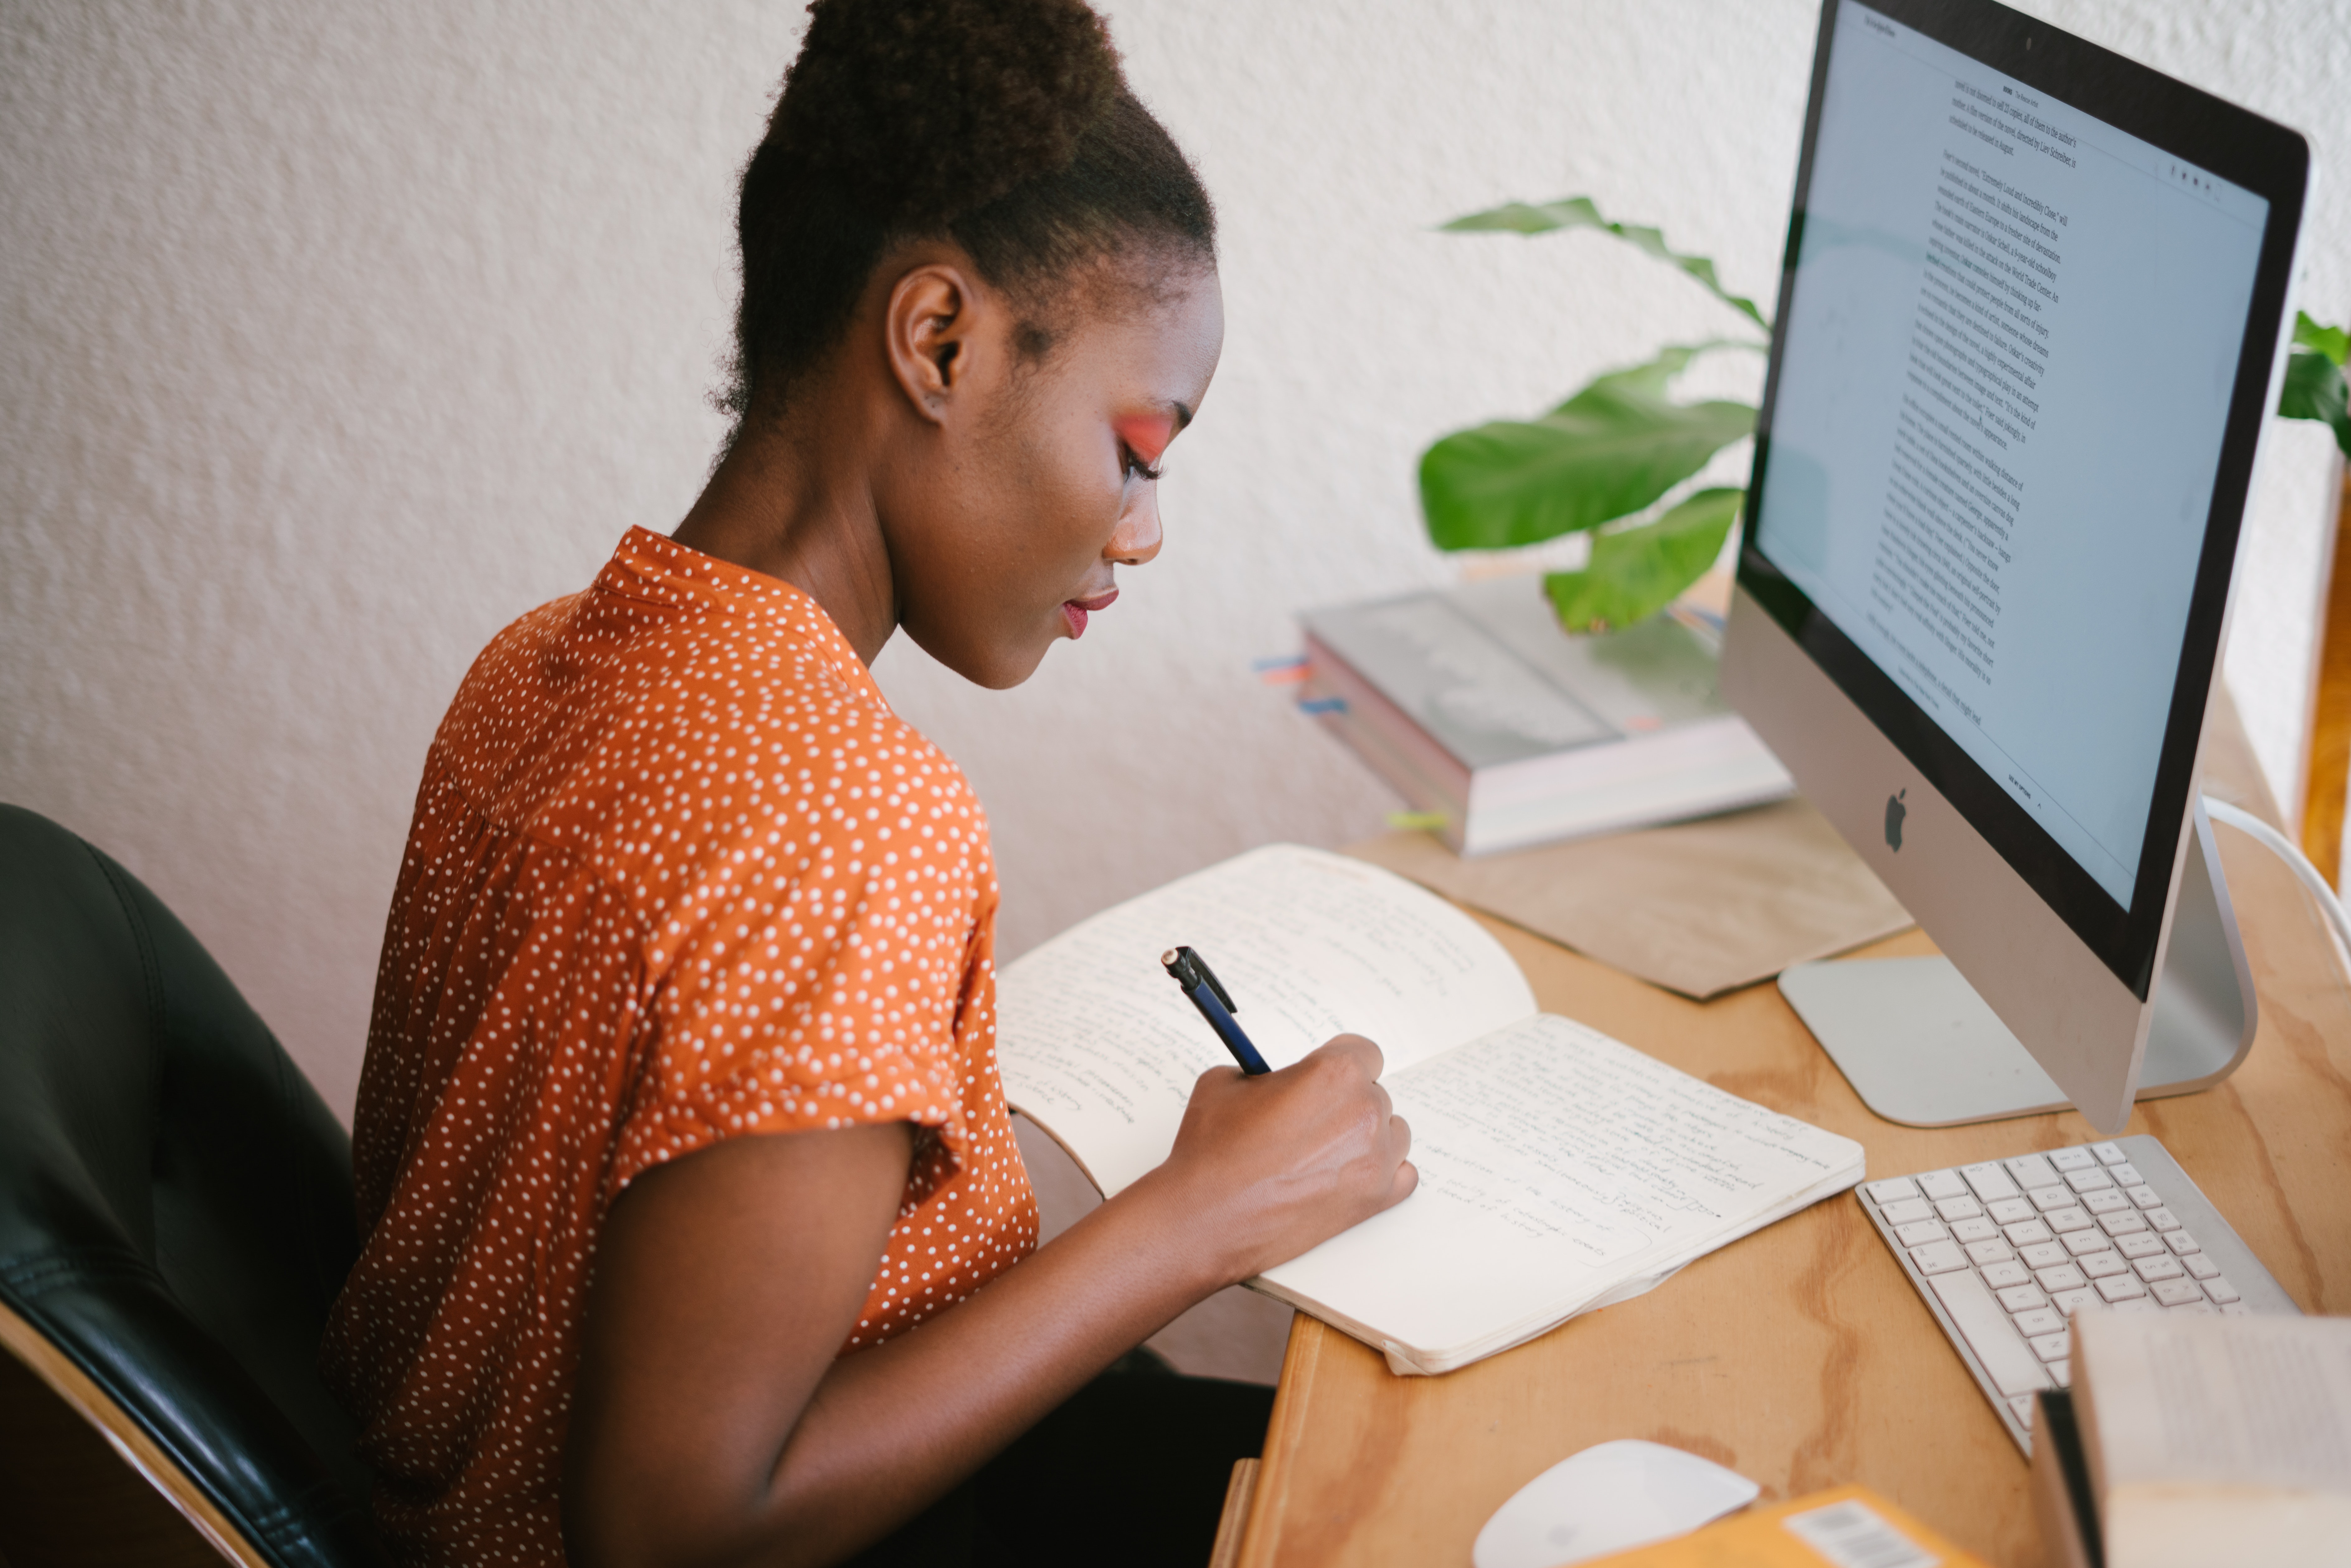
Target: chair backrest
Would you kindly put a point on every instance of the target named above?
(176, 1207)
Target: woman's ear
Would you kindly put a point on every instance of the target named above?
(931, 324)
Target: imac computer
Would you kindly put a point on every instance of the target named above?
(2029, 329)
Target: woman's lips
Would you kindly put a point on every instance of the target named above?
(1075, 610)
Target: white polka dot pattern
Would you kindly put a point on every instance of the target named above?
(677, 873)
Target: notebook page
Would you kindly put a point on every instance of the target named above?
(1555, 1164)
(1100, 1048)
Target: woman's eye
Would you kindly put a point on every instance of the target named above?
(1137, 465)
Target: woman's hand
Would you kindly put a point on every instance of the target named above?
(1273, 1164)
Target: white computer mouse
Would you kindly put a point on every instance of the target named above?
(1611, 1496)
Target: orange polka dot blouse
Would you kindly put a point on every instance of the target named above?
(677, 873)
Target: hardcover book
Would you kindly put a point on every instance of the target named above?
(1474, 706)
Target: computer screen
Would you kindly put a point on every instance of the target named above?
(2013, 336)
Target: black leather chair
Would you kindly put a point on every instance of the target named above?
(176, 1214)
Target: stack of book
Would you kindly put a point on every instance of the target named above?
(2189, 1440)
(1479, 709)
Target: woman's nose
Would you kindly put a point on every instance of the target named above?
(1136, 539)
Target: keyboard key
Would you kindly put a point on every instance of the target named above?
(2000, 1276)
(2106, 1202)
(2025, 1298)
(1976, 1230)
(2043, 1254)
(1938, 1257)
(2025, 1232)
(2032, 1171)
(2037, 1321)
(2056, 1346)
(2049, 1197)
(2062, 1370)
(2072, 1301)
(2006, 1359)
(2197, 1307)
(1891, 1189)
(2163, 1266)
(1918, 1232)
(2109, 1154)
(1989, 1180)
(2198, 1266)
(2163, 1219)
(2009, 1210)
(1906, 1211)
(2068, 1161)
(2064, 1219)
(2064, 1277)
(2139, 1304)
(1942, 1184)
(2126, 1175)
(2121, 1286)
(2235, 1309)
(1987, 1252)
(2021, 1408)
(2178, 1293)
(2144, 1196)
(2220, 1291)
(2098, 1265)
(2182, 1243)
(2146, 1244)
(2095, 1179)
(2081, 1242)
(1956, 1208)
(2122, 1224)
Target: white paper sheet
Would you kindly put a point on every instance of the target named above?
(1555, 1164)
(1098, 1046)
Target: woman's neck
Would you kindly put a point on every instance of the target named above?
(790, 501)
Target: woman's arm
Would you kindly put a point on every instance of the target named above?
(712, 1423)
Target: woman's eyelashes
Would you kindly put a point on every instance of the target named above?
(1137, 465)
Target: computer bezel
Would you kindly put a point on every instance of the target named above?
(2203, 131)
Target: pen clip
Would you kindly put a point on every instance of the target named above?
(1190, 970)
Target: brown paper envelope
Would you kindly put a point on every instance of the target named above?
(1697, 907)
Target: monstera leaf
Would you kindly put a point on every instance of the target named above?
(1636, 572)
(1611, 450)
(1578, 212)
(2313, 379)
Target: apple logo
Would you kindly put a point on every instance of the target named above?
(1895, 811)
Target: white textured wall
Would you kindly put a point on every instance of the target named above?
(334, 336)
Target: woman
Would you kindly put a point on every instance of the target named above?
(690, 1199)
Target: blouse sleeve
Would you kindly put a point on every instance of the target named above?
(796, 999)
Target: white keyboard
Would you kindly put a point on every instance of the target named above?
(2004, 1252)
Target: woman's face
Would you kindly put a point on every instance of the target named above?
(1005, 535)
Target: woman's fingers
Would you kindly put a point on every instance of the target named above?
(1356, 1049)
(1408, 1180)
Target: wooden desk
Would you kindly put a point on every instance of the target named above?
(1801, 1356)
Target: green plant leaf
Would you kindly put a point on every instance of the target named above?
(1578, 212)
(1609, 451)
(2315, 389)
(1636, 572)
(2332, 341)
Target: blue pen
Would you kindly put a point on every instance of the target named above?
(1192, 975)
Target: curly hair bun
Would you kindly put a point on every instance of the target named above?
(942, 106)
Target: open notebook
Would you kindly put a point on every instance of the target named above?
(1559, 1170)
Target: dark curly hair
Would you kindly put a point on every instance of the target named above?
(1005, 125)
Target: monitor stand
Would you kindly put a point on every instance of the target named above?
(1921, 1048)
